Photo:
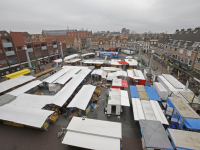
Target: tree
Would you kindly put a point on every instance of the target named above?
(133, 32)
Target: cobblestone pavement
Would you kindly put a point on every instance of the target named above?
(15, 138)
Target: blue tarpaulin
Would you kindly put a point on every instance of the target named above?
(134, 92)
(151, 92)
(191, 123)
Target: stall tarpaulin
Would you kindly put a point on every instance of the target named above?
(154, 134)
(123, 62)
(134, 92)
(124, 83)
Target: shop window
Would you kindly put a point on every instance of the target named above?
(13, 61)
(198, 60)
(3, 63)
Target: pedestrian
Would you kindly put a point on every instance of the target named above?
(172, 73)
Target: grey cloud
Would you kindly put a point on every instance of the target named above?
(96, 15)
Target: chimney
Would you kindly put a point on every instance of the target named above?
(189, 29)
(197, 28)
(182, 30)
(177, 30)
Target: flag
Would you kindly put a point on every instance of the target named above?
(178, 73)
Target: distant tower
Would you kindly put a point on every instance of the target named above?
(67, 27)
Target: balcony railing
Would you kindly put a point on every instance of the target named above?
(10, 53)
(44, 47)
(7, 44)
(54, 46)
(30, 50)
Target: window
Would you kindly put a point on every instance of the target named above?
(19, 48)
(175, 49)
(181, 51)
(186, 61)
(179, 58)
(166, 46)
(190, 63)
(198, 60)
(3, 63)
(188, 53)
(169, 48)
(13, 61)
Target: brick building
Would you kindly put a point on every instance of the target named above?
(181, 48)
(13, 54)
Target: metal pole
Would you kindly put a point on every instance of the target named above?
(29, 62)
(138, 66)
(62, 53)
(149, 75)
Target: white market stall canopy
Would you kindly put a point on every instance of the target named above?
(173, 81)
(25, 88)
(24, 115)
(115, 62)
(187, 140)
(87, 54)
(112, 76)
(71, 57)
(111, 69)
(11, 83)
(63, 95)
(56, 75)
(73, 60)
(63, 79)
(33, 101)
(83, 97)
(94, 61)
(93, 134)
(135, 74)
(118, 97)
(148, 110)
(100, 72)
(116, 74)
(117, 82)
(131, 62)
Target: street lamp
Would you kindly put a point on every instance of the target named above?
(28, 59)
(79, 46)
(149, 75)
(62, 53)
(138, 60)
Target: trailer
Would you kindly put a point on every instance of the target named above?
(170, 88)
(161, 90)
(179, 110)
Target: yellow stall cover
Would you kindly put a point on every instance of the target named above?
(16, 74)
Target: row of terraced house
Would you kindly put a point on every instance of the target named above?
(121, 43)
(181, 48)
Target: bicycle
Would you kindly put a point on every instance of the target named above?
(63, 130)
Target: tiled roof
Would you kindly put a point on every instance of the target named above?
(56, 32)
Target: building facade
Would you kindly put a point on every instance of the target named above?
(13, 52)
(181, 48)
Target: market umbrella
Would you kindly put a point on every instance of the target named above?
(154, 134)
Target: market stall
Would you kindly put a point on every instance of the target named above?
(93, 134)
(137, 76)
(119, 83)
(186, 140)
(154, 135)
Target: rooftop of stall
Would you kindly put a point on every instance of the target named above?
(182, 108)
(186, 140)
(93, 134)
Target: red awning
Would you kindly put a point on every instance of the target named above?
(122, 62)
(112, 49)
(124, 83)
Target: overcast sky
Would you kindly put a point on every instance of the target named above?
(99, 15)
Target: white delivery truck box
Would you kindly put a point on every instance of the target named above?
(161, 90)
